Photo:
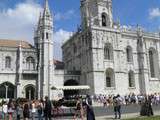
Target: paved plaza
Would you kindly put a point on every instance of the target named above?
(131, 111)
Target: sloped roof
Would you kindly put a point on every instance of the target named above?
(14, 43)
(58, 64)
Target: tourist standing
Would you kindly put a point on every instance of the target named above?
(40, 110)
(10, 109)
(18, 111)
(117, 101)
(26, 111)
(33, 109)
(4, 111)
(47, 109)
(90, 112)
(79, 109)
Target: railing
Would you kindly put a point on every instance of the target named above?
(134, 30)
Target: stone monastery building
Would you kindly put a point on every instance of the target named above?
(109, 58)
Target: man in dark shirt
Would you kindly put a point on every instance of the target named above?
(47, 109)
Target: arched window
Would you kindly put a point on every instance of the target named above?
(7, 90)
(74, 48)
(108, 51)
(109, 78)
(46, 35)
(154, 65)
(8, 62)
(104, 19)
(30, 62)
(131, 79)
(129, 54)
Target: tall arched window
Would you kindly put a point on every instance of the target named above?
(30, 62)
(129, 54)
(74, 48)
(154, 65)
(131, 79)
(7, 90)
(8, 62)
(110, 78)
(104, 19)
(108, 52)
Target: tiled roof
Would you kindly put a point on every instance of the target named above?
(14, 43)
(58, 64)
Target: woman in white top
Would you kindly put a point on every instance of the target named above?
(4, 110)
(33, 110)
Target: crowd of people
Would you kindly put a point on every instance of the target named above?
(12, 110)
(145, 101)
(43, 109)
(107, 100)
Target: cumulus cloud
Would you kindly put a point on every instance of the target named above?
(19, 23)
(154, 13)
(60, 37)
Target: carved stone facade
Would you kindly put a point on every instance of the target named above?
(110, 58)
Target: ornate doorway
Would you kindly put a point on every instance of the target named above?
(71, 92)
(30, 92)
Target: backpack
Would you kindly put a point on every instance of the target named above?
(39, 109)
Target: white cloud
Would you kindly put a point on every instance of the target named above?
(19, 22)
(154, 13)
(59, 38)
(64, 16)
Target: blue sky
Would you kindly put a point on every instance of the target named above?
(19, 17)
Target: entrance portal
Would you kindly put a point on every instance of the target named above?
(71, 92)
(7, 90)
(30, 92)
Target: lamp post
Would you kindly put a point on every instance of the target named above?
(6, 86)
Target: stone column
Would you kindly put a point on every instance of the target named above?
(143, 76)
(6, 86)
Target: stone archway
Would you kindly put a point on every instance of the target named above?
(7, 90)
(30, 92)
(71, 92)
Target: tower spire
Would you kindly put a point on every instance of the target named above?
(46, 4)
(46, 9)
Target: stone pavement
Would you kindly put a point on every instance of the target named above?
(124, 116)
(109, 117)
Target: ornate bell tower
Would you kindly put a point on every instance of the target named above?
(44, 38)
(97, 13)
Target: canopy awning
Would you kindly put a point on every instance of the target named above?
(79, 87)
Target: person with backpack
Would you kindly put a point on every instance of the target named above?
(117, 101)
